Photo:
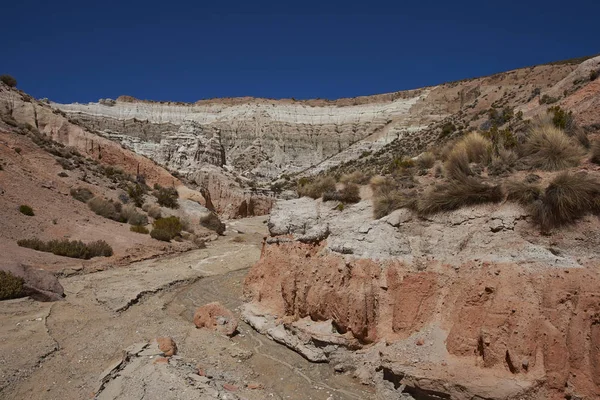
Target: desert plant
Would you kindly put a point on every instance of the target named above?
(153, 210)
(139, 229)
(350, 193)
(166, 229)
(11, 286)
(477, 147)
(523, 193)
(106, 208)
(316, 188)
(549, 149)
(357, 177)
(167, 197)
(82, 194)
(595, 153)
(426, 160)
(386, 202)
(73, 249)
(502, 162)
(457, 193)
(132, 216)
(136, 194)
(567, 198)
(457, 164)
(26, 210)
(211, 221)
(8, 80)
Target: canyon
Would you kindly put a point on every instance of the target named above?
(333, 302)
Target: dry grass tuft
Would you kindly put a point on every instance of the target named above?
(457, 164)
(357, 177)
(315, 189)
(350, 193)
(522, 192)
(458, 193)
(388, 196)
(550, 149)
(426, 160)
(568, 198)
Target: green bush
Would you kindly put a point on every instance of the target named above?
(166, 229)
(26, 210)
(73, 249)
(211, 221)
(139, 229)
(11, 286)
(167, 197)
(82, 194)
(8, 80)
(107, 208)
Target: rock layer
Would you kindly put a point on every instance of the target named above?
(465, 309)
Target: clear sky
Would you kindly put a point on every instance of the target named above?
(188, 50)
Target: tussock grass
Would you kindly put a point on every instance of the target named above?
(457, 193)
(357, 177)
(390, 195)
(473, 148)
(167, 197)
(426, 160)
(523, 193)
(568, 198)
(315, 189)
(457, 164)
(550, 149)
(350, 193)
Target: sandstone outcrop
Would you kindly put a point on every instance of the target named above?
(38, 284)
(216, 317)
(167, 346)
(469, 304)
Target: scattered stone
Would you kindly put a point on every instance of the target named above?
(167, 346)
(161, 360)
(420, 342)
(229, 387)
(216, 317)
(254, 385)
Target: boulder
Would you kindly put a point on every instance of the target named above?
(167, 346)
(216, 317)
(38, 284)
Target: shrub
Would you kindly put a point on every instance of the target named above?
(503, 162)
(26, 210)
(139, 229)
(132, 216)
(457, 164)
(317, 188)
(167, 197)
(166, 229)
(567, 198)
(11, 286)
(8, 80)
(545, 99)
(389, 196)
(152, 210)
(426, 160)
(595, 157)
(106, 208)
(523, 193)
(478, 148)
(73, 249)
(457, 193)
(82, 194)
(350, 193)
(136, 194)
(548, 148)
(357, 177)
(211, 221)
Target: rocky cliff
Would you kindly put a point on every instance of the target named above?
(474, 303)
(263, 138)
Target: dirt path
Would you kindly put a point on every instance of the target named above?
(60, 350)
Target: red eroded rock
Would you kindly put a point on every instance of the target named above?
(167, 346)
(216, 317)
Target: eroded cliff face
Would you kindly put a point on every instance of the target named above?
(262, 138)
(471, 303)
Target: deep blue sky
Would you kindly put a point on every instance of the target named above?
(187, 50)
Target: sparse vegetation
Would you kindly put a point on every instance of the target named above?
(153, 210)
(426, 160)
(357, 177)
(11, 286)
(73, 249)
(388, 195)
(26, 210)
(549, 149)
(316, 188)
(166, 229)
(546, 99)
(167, 197)
(107, 208)
(136, 194)
(350, 193)
(523, 193)
(595, 157)
(568, 197)
(211, 221)
(139, 229)
(82, 194)
(130, 214)
(8, 80)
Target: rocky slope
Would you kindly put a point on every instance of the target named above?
(474, 303)
(262, 138)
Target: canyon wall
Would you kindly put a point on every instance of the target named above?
(470, 304)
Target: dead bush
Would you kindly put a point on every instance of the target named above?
(357, 177)
(106, 208)
(82, 194)
(458, 193)
(211, 221)
(133, 217)
(549, 149)
(315, 189)
(350, 193)
(566, 199)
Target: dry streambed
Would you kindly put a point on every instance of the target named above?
(99, 341)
